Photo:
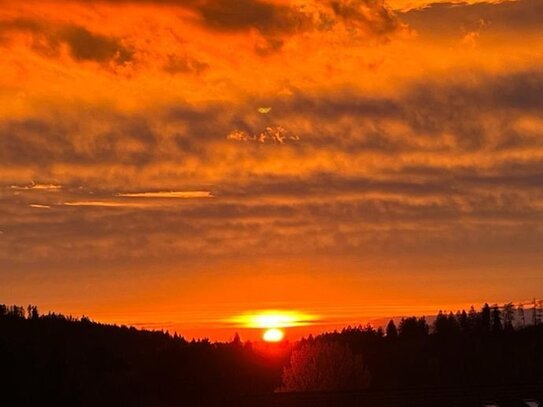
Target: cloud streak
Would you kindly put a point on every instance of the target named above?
(36, 187)
(83, 45)
(168, 194)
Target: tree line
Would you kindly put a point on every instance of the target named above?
(493, 346)
(79, 362)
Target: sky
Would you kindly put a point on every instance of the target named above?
(172, 164)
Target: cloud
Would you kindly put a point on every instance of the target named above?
(168, 194)
(87, 46)
(495, 113)
(275, 135)
(37, 187)
(365, 225)
(243, 14)
(136, 200)
(44, 140)
(360, 153)
(453, 19)
(184, 64)
(39, 206)
(83, 45)
(372, 16)
(277, 23)
(274, 18)
(109, 204)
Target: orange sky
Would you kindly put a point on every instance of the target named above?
(174, 163)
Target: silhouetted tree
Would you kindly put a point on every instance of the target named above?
(413, 327)
(508, 315)
(538, 311)
(463, 323)
(440, 323)
(379, 332)
(32, 312)
(236, 341)
(473, 319)
(16, 311)
(496, 318)
(521, 314)
(445, 324)
(391, 331)
(485, 318)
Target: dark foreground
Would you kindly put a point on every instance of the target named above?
(462, 360)
(467, 396)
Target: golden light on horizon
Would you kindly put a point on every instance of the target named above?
(273, 319)
(273, 335)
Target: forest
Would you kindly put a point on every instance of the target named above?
(71, 361)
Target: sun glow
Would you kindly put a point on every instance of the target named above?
(273, 319)
(273, 335)
(272, 322)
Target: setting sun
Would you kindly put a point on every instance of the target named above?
(273, 322)
(273, 319)
(273, 335)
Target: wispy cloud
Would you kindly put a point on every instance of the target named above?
(40, 206)
(108, 204)
(143, 199)
(168, 194)
(37, 187)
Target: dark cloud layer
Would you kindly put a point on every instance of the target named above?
(243, 14)
(276, 20)
(433, 112)
(442, 19)
(439, 163)
(83, 44)
(46, 142)
(424, 188)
